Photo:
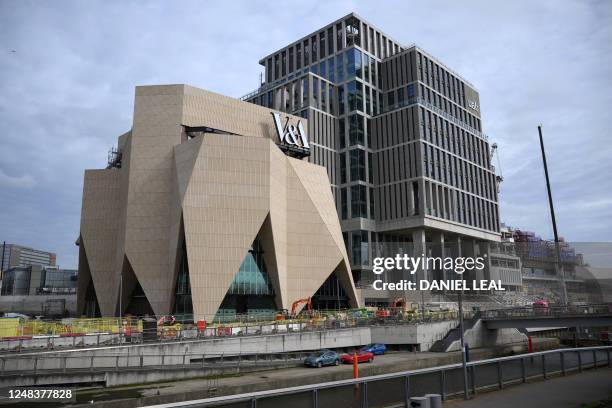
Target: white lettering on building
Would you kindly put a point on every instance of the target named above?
(293, 135)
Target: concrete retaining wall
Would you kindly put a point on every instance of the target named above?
(479, 336)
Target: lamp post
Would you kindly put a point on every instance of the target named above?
(466, 394)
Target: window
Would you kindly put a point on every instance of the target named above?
(359, 248)
(358, 166)
(339, 44)
(306, 53)
(330, 41)
(342, 167)
(341, 101)
(343, 203)
(298, 53)
(366, 68)
(356, 134)
(331, 68)
(284, 63)
(371, 193)
(322, 47)
(355, 96)
(359, 205)
(340, 67)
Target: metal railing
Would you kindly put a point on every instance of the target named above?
(193, 333)
(62, 363)
(603, 309)
(397, 388)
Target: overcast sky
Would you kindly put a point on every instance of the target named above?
(68, 71)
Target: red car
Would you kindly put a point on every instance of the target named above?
(362, 357)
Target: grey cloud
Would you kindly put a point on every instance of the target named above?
(67, 93)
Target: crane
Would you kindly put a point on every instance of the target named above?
(297, 303)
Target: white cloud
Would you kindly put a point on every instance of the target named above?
(23, 181)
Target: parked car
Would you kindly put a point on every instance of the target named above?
(376, 348)
(322, 358)
(362, 357)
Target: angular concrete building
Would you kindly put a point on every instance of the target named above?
(206, 209)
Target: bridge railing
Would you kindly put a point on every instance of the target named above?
(548, 311)
(397, 388)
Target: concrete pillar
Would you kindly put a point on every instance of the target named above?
(439, 251)
(419, 250)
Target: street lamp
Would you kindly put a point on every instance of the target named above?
(466, 394)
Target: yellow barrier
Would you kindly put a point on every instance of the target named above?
(10, 327)
(13, 327)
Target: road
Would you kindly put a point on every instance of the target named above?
(571, 391)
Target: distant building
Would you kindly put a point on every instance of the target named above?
(38, 280)
(12, 255)
(38, 290)
(537, 265)
(504, 263)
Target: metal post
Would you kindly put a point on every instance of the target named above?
(523, 370)
(91, 363)
(35, 364)
(500, 381)
(2, 263)
(544, 365)
(315, 398)
(579, 362)
(407, 390)
(554, 224)
(594, 359)
(466, 393)
(473, 373)
(609, 361)
(562, 357)
(365, 395)
(443, 384)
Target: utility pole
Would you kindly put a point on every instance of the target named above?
(120, 293)
(558, 267)
(2, 264)
(466, 394)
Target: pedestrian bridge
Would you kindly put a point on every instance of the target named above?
(597, 315)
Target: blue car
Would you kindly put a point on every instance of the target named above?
(376, 349)
(322, 358)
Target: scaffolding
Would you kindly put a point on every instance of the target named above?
(114, 158)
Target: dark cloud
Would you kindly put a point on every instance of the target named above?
(67, 91)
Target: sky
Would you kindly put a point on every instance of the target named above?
(68, 71)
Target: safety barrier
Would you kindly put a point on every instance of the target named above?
(102, 332)
(396, 389)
